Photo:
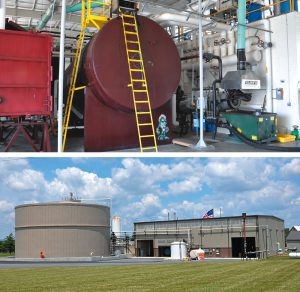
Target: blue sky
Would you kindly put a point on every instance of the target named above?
(145, 189)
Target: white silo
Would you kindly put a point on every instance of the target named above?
(116, 225)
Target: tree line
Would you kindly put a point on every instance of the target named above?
(8, 244)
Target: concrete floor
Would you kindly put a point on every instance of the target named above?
(223, 143)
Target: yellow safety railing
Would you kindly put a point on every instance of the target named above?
(98, 12)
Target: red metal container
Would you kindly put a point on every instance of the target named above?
(25, 74)
(109, 111)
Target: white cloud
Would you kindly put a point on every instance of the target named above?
(26, 180)
(292, 167)
(186, 186)
(6, 206)
(83, 184)
(296, 201)
(148, 206)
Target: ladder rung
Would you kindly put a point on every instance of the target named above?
(139, 90)
(134, 51)
(141, 101)
(139, 80)
(127, 23)
(148, 148)
(147, 136)
(145, 124)
(130, 32)
(135, 60)
(128, 16)
(132, 42)
(136, 70)
(79, 88)
(143, 113)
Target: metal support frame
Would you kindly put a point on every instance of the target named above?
(21, 127)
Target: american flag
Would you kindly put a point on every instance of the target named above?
(209, 214)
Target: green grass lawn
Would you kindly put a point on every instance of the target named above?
(2, 255)
(276, 274)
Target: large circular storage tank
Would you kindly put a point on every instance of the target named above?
(116, 225)
(106, 65)
(62, 229)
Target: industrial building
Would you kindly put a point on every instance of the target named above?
(218, 237)
(119, 75)
(293, 239)
(62, 229)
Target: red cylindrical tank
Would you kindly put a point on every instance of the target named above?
(109, 110)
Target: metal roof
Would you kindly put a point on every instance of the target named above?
(293, 236)
(215, 218)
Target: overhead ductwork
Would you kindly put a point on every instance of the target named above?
(171, 19)
(47, 15)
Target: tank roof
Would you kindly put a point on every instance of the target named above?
(59, 203)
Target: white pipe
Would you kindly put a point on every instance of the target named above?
(205, 4)
(268, 55)
(61, 75)
(170, 19)
(295, 255)
(201, 143)
(253, 57)
(174, 116)
(2, 14)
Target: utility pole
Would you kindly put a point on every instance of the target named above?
(244, 235)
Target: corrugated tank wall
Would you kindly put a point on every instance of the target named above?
(67, 229)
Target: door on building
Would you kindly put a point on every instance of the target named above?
(164, 251)
(237, 244)
(145, 248)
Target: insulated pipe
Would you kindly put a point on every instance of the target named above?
(170, 19)
(61, 75)
(2, 14)
(52, 8)
(254, 57)
(241, 35)
(174, 115)
(77, 7)
(201, 143)
(268, 55)
(47, 15)
(205, 4)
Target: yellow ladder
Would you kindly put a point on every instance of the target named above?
(138, 84)
(94, 13)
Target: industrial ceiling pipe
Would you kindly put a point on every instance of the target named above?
(241, 41)
(47, 15)
(170, 19)
(53, 7)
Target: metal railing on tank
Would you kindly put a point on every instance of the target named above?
(97, 12)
